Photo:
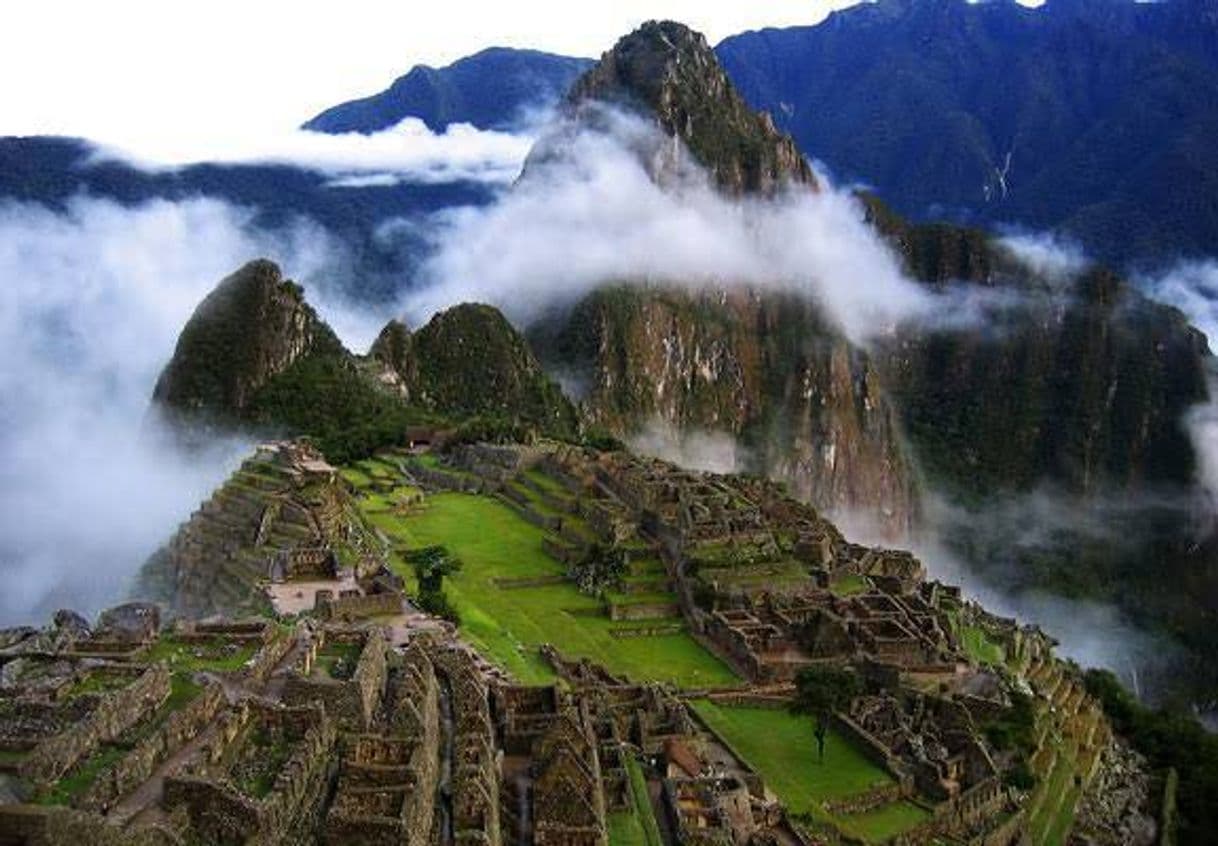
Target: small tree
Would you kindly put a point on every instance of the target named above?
(600, 568)
(431, 564)
(820, 691)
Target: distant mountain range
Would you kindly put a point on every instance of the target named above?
(492, 89)
(52, 170)
(1095, 118)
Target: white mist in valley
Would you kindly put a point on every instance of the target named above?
(1092, 633)
(405, 152)
(92, 301)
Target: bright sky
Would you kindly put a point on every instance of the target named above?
(152, 71)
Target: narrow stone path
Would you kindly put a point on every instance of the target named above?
(149, 793)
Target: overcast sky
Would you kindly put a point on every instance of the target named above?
(134, 71)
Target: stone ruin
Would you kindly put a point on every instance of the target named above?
(284, 515)
(335, 726)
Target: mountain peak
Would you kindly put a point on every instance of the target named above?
(668, 71)
(252, 326)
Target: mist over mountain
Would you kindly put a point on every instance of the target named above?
(1092, 119)
(381, 223)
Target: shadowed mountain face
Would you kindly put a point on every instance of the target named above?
(492, 89)
(1092, 118)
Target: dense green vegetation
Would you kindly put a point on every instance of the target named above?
(472, 362)
(819, 692)
(1168, 738)
(327, 397)
(431, 564)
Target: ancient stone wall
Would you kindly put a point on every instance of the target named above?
(220, 814)
(641, 611)
(274, 650)
(36, 825)
(358, 607)
(387, 784)
(138, 765)
(116, 713)
(875, 751)
(354, 701)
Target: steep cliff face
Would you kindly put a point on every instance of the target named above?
(253, 326)
(761, 367)
(1085, 386)
(669, 73)
(807, 408)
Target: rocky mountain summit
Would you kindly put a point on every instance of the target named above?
(251, 328)
(669, 73)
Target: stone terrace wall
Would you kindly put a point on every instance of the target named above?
(33, 825)
(117, 712)
(353, 702)
(138, 765)
(286, 816)
(359, 607)
(274, 650)
(370, 674)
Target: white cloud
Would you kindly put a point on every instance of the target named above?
(693, 449)
(1192, 287)
(1050, 256)
(91, 306)
(407, 152)
(588, 212)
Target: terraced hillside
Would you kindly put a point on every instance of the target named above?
(969, 730)
(513, 593)
(284, 504)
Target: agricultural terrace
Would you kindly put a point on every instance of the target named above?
(511, 597)
(781, 747)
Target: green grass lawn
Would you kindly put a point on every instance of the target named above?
(636, 826)
(212, 655)
(979, 647)
(782, 748)
(849, 584)
(548, 483)
(493, 543)
(881, 824)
